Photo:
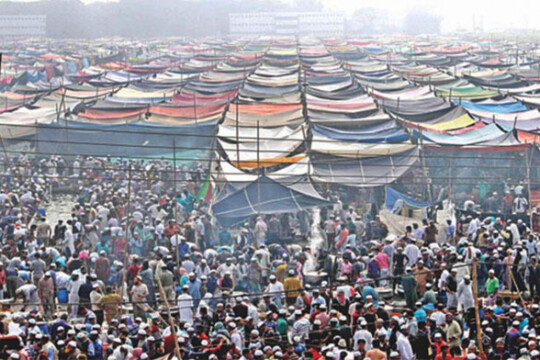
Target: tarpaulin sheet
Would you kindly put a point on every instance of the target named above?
(414, 107)
(469, 93)
(496, 108)
(338, 121)
(252, 134)
(531, 99)
(328, 146)
(238, 201)
(131, 93)
(393, 195)
(76, 138)
(263, 109)
(92, 114)
(22, 123)
(286, 118)
(104, 105)
(265, 149)
(487, 133)
(202, 111)
(368, 172)
(407, 94)
(460, 122)
(268, 162)
(345, 93)
(392, 135)
(186, 98)
(279, 99)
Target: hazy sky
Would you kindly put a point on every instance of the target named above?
(457, 14)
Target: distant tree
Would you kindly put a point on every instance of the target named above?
(421, 21)
(307, 5)
(368, 21)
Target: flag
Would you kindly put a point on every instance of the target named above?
(206, 190)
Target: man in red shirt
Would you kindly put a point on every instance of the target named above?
(132, 271)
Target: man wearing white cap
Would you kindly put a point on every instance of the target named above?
(413, 253)
(276, 290)
(46, 293)
(185, 305)
(403, 344)
(362, 333)
(301, 326)
(73, 288)
(492, 288)
(465, 294)
(451, 289)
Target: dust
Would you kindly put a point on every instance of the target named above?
(59, 207)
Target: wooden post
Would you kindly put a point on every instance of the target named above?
(476, 313)
(171, 322)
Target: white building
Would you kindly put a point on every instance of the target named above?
(22, 26)
(287, 23)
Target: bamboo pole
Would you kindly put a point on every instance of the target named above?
(176, 250)
(476, 313)
(170, 318)
(237, 137)
(424, 167)
(529, 159)
(126, 246)
(6, 156)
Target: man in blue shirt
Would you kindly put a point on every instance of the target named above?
(420, 313)
(98, 345)
(194, 285)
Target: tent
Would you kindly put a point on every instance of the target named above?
(237, 201)
(393, 196)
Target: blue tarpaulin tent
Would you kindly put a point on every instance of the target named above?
(393, 196)
(238, 201)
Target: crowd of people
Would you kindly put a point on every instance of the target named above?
(139, 271)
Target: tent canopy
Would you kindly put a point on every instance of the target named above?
(392, 196)
(236, 202)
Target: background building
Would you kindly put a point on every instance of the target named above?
(22, 26)
(287, 23)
